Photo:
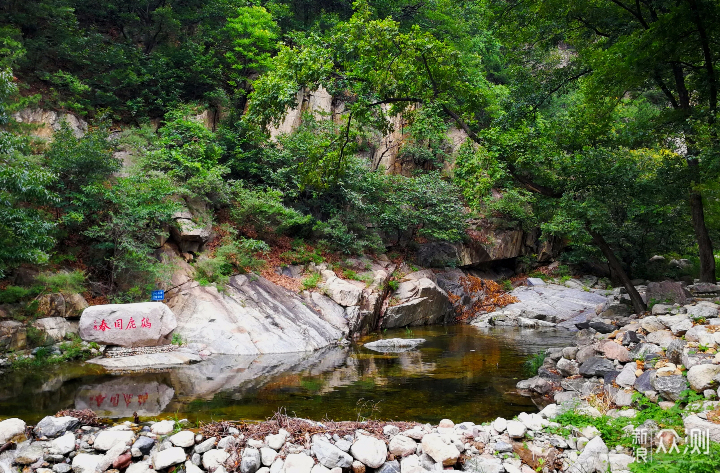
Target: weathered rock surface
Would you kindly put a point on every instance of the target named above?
(252, 317)
(369, 450)
(145, 361)
(193, 225)
(56, 328)
(52, 426)
(13, 335)
(548, 303)
(11, 428)
(48, 122)
(128, 325)
(420, 301)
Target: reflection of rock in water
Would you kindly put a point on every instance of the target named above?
(241, 374)
(123, 396)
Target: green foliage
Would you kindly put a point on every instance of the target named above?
(135, 210)
(533, 362)
(37, 338)
(302, 254)
(233, 256)
(65, 282)
(265, 212)
(311, 281)
(177, 340)
(13, 294)
(681, 462)
(393, 285)
(252, 34)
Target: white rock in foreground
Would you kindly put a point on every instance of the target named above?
(10, 428)
(441, 452)
(369, 450)
(168, 457)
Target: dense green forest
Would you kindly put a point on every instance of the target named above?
(593, 120)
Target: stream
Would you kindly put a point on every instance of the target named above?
(461, 372)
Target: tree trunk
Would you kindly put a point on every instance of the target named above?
(705, 246)
(615, 266)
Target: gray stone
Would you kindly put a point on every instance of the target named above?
(433, 445)
(681, 327)
(64, 444)
(674, 351)
(693, 422)
(85, 463)
(402, 446)
(205, 445)
(183, 439)
(29, 453)
(11, 428)
(251, 461)
(212, 459)
(163, 427)
(594, 456)
(369, 450)
(663, 338)
(298, 463)
(13, 335)
(275, 441)
(516, 430)
(627, 378)
(389, 467)
(169, 457)
(128, 325)
(267, 456)
(62, 468)
(641, 351)
(52, 426)
(144, 444)
(667, 291)
(421, 302)
(596, 366)
(107, 439)
(585, 353)
(330, 456)
(702, 377)
(567, 367)
(670, 387)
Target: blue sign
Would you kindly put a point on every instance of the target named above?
(158, 295)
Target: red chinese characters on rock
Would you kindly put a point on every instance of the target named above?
(119, 324)
(99, 399)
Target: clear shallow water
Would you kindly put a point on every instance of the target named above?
(461, 372)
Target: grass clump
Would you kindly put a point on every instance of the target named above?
(311, 281)
(532, 363)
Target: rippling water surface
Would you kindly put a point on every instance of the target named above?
(460, 372)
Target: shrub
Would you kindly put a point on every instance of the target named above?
(311, 281)
(533, 363)
(231, 257)
(13, 294)
(65, 282)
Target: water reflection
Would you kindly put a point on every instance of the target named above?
(461, 372)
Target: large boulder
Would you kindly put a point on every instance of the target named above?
(417, 302)
(343, 292)
(667, 291)
(51, 305)
(128, 325)
(13, 335)
(56, 328)
(252, 316)
(193, 226)
(75, 304)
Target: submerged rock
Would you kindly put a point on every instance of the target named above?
(395, 344)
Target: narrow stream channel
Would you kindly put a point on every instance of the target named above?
(460, 372)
